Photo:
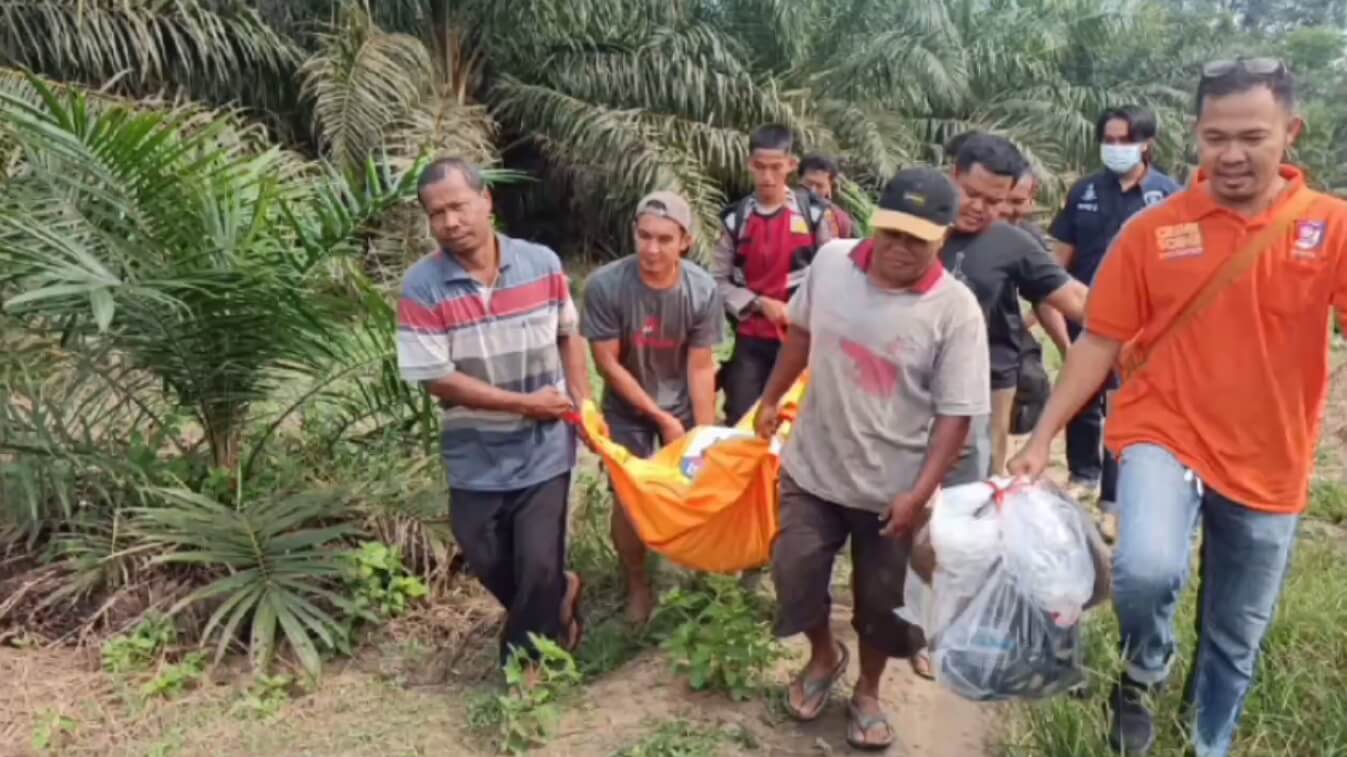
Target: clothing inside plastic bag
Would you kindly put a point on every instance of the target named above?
(1001, 645)
(1013, 571)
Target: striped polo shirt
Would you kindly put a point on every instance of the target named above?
(505, 336)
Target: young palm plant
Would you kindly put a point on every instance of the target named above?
(180, 240)
(273, 566)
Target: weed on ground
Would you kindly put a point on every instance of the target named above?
(681, 738)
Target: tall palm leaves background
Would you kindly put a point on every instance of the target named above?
(208, 202)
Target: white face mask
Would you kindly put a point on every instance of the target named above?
(1120, 158)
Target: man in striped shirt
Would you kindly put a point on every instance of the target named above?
(486, 324)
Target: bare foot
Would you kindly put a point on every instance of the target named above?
(921, 664)
(572, 624)
(640, 602)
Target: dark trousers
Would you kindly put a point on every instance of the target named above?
(515, 543)
(1086, 457)
(745, 375)
(813, 531)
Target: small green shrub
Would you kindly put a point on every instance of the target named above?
(137, 650)
(51, 731)
(379, 583)
(724, 642)
(527, 713)
(174, 679)
(265, 698)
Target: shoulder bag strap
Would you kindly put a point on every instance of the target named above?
(1241, 262)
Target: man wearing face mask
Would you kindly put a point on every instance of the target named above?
(1215, 305)
(1096, 207)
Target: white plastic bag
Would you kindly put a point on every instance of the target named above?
(1013, 572)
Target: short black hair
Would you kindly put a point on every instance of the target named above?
(1239, 80)
(772, 137)
(994, 153)
(816, 162)
(1141, 122)
(440, 168)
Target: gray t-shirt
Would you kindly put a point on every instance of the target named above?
(882, 365)
(656, 329)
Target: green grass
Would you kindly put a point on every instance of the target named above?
(1328, 502)
(1299, 702)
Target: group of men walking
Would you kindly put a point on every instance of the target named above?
(913, 339)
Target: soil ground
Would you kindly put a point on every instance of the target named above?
(368, 707)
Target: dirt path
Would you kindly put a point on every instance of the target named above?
(356, 711)
(929, 720)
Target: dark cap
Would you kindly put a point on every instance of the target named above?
(922, 202)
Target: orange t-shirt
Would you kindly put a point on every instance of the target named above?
(1238, 394)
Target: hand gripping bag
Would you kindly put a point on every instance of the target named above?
(708, 501)
(1014, 568)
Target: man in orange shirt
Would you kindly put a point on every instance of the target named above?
(1217, 418)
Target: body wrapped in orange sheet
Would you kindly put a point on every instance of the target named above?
(720, 519)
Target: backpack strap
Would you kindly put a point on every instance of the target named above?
(1137, 355)
(814, 209)
(735, 221)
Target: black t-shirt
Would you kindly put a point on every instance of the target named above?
(1000, 265)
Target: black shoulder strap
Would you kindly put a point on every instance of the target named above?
(741, 218)
(814, 209)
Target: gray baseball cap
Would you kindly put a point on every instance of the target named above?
(668, 205)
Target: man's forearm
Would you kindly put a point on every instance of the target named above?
(1064, 252)
(575, 366)
(466, 391)
(1054, 325)
(790, 363)
(1070, 299)
(948, 435)
(618, 379)
(1088, 364)
(737, 299)
(702, 390)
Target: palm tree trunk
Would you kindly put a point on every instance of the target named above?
(223, 434)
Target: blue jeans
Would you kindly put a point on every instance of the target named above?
(1245, 558)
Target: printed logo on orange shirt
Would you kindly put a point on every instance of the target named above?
(1181, 240)
(1309, 238)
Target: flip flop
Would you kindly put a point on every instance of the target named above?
(921, 664)
(816, 688)
(865, 723)
(572, 618)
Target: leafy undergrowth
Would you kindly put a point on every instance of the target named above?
(1298, 705)
(526, 713)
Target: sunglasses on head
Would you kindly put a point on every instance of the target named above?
(1256, 66)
